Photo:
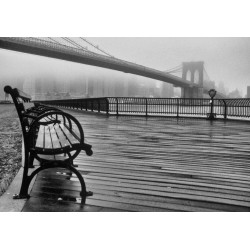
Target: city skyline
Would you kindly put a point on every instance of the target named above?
(227, 59)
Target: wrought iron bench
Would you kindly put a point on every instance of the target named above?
(51, 136)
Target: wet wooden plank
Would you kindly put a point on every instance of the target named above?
(157, 164)
(134, 195)
(39, 204)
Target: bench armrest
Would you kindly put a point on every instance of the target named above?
(87, 148)
(37, 121)
(29, 116)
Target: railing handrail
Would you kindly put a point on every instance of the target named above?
(178, 107)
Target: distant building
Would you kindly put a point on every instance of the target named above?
(209, 84)
(248, 91)
(29, 86)
(235, 94)
(167, 90)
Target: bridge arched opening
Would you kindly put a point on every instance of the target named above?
(188, 75)
(196, 76)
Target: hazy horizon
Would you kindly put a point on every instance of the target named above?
(226, 59)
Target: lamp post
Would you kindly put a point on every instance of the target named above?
(212, 94)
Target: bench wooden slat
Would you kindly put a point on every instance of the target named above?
(47, 138)
(55, 140)
(63, 140)
(68, 134)
(40, 137)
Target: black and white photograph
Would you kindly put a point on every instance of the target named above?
(116, 126)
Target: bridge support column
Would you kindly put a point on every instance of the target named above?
(195, 72)
(87, 87)
(186, 93)
(195, 92)
(200, 92)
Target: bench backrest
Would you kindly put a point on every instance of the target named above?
(20, 100)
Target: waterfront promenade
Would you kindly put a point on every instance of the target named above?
(153, 164)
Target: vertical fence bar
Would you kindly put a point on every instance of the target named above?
(177, 108)
(146, 99)
(107, 106)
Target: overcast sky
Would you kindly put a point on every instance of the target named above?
(226, 59)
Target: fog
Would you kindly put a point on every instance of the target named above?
(227, 61)
(52, 75)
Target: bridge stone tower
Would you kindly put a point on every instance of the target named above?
(193, 71)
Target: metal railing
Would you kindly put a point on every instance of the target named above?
(179, 107)
(88, 104)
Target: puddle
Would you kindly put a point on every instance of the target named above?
(72, 199)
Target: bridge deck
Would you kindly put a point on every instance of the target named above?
(154, 164)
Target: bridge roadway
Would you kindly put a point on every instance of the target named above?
(49, 49)
(153, 164)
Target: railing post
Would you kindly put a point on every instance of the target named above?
(146, 106)
(225, 109)
(107, 107)
(178, 104)
(117, 107)
(99, 106)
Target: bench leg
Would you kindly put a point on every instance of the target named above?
(25, 181)
(31, 160)
(84, 193)
(24, 190)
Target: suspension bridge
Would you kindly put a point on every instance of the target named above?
(75, 50)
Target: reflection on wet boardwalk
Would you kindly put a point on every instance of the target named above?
(153, 164)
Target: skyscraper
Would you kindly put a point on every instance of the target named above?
(248, 91)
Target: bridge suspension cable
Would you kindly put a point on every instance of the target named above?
(53, 40)
(71, 42)
(74, 43)
(176, 69)
(66, 42)
(77, 44)
(96, 46)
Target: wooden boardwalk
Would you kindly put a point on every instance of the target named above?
(153, 164)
